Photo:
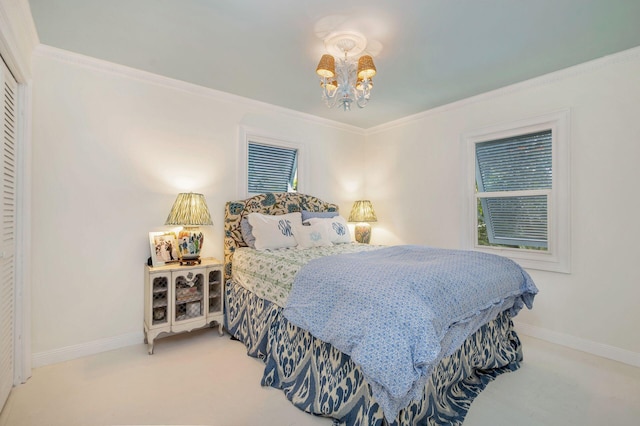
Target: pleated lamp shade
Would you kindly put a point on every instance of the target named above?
(362, 211)
(189, 209)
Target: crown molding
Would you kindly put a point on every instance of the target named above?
(18, 37)
(629, 55)
(100, 65)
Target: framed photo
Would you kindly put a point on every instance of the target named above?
(164, 248)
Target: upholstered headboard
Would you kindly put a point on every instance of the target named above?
(272, 204)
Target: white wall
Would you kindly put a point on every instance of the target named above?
(112, 147)
(418, 197)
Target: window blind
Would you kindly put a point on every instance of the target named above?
(509, 167)
(271, 168)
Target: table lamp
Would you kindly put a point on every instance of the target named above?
(190, 211)
(362, 212)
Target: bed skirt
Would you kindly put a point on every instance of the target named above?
(321, 380)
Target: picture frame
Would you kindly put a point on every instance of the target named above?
(164, 248)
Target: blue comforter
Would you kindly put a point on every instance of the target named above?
(399, 310)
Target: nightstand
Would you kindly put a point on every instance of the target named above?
(182, 298)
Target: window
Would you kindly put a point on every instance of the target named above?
(268, 164)
(513, 185)
(518, 192)
(271, 168)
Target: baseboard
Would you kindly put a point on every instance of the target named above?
(90, 348)
(584, 345)
(599, 349)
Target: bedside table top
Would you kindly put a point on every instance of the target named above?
(205, 262)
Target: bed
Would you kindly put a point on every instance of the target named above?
(315, 375)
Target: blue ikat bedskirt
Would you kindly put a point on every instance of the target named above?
(319, 379)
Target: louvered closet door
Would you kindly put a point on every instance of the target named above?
(8, 126)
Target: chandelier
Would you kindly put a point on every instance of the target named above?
(345, 78)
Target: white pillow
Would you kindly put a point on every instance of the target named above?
(315, 235)
(274, 231)
(337, 228)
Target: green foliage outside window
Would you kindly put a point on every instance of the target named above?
(483, 237)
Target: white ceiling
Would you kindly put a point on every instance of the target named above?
(430, 52)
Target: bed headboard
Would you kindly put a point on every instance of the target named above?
(270, 203)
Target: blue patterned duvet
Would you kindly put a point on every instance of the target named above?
(398, 311)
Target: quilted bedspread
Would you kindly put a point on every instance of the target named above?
(270, 273)
(398, 311)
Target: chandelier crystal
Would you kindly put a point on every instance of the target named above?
(346, 80)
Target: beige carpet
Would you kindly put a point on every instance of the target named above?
(201, 378)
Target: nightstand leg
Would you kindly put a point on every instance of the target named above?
(149, 343)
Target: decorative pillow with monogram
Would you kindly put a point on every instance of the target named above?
(273, 232)
(337, 228)
(315, 235)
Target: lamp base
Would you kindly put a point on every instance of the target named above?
(190, 241)
(190, 261)
(363, 233)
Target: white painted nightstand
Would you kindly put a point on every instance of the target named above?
(182, 298)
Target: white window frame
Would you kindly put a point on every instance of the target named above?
(557, 256)
(251, 135)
